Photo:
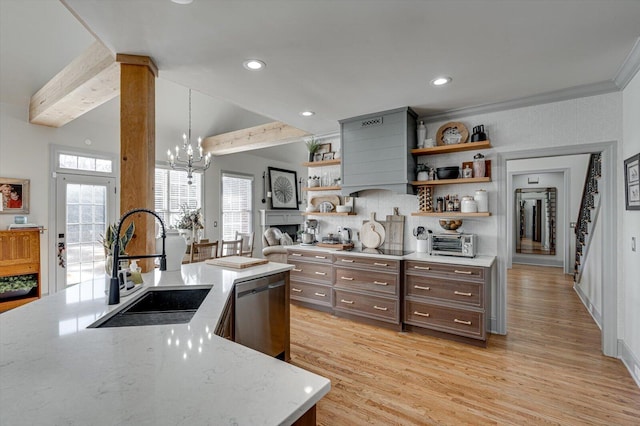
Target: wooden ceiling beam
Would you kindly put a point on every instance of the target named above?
(90, 80)
(264, 136)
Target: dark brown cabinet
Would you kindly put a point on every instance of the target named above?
(448, 299)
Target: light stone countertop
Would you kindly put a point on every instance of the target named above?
(54, 370)
(480, 260)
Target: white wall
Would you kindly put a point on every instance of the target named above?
(629, 277)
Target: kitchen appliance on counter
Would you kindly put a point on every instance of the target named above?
(308, 236)
(461, 245)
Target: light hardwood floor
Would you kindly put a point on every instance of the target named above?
(548, 370)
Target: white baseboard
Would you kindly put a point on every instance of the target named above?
(595, 314)
(630, 361)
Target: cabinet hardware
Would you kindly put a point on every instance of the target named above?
(296, 270)
(380, 308)
(419, 287)
(350, 302)
(321, 273)
(459, 293)
(321, 257)
(380, 264)
(297, 290)
(380, 283)
(296, 254)
(420, 314)
(346, 260)
(461, 322)
(462, 272)
(346, 278)
(426, 268)
(320, 294)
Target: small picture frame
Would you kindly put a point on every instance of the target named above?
(325, 147)
(317, 156)
(632, 182)
(14, 195)
(327, 156)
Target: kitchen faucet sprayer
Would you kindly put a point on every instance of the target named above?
(114, 283)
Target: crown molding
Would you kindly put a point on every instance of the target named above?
(629, 67)
(543, 98)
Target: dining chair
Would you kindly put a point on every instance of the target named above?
(247, 243)
(203, 251)
(230, 248)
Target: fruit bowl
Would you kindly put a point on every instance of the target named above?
(450, 224)
(452, 172)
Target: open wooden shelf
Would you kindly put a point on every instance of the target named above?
(444, 149)
(322, 188)
(451, 214)
(327, 214)
(333, 162)
(449, 181)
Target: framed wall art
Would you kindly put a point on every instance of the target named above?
(15, 195)
(632, 182)
(324, 147)
(284, 190)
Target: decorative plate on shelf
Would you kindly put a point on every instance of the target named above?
(452, 133)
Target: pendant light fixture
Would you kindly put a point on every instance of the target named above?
(186, 158)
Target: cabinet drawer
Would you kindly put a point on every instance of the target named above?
(366, 280)
(312, 271)
(368, 262)
(315, 256)
(462, 322)
(460, 292)
(442, 269)
(313, 293)
(366, 305)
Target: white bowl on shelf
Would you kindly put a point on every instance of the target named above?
(343, 209)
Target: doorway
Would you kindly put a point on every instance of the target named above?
(84, 207)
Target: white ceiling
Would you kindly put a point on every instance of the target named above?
(339, 58)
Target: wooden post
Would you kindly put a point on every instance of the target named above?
(137, 150)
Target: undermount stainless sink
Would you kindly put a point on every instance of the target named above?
(156, 306)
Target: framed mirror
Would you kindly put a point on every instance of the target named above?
(536, 220)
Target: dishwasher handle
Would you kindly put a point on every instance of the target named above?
(258, 285)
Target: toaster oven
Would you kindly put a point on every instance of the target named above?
(463, 245)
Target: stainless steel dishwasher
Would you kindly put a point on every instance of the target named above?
(262, 314)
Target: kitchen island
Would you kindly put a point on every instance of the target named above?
(55, 370)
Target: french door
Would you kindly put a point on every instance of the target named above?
(84, 207)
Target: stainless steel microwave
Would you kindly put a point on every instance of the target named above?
(463, 245)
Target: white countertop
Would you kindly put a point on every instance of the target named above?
(481, 260)
(54, 370)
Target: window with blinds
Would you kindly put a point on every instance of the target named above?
(172, 191)
(237, 204)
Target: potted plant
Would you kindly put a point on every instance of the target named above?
(191, 220)
(312, 145)
(109, 238)
(313, 181)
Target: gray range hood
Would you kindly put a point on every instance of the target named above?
(376, 151)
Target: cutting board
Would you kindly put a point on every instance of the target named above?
(372, 233)
(237, 262)
(395, 231)
(333, 199)
(339, 246)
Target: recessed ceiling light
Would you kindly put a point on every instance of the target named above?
(307, 113)
(253, 64)
(440, 81)
(182, 1)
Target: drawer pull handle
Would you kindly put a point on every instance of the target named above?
(380, 283)
(421, 314)
(296, 254)
(321, 294)
(459, 293)
(380, 264)
(296, 270)
(297, 290)
(380, 308)
(426, 268)
(462, 272)
(419, 287)
(321, 257)
(346, 260)
(346, 278)
(321, 273)
(461, 322)
(350, 302)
